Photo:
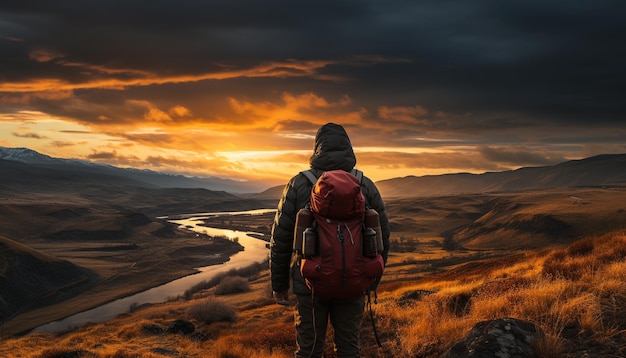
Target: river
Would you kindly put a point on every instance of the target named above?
(254, 251)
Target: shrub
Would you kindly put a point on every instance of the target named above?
(449, 244)
(212, 310)
(581, 247)
(248, 271)
(232, 284)
(614, 252)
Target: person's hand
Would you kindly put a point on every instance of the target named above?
(281, 297)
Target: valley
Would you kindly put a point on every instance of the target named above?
(70, 243)
(430, 237)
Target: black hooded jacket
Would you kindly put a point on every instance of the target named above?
(333, 151)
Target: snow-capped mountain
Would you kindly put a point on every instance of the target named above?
(141, 177)
(24, 155)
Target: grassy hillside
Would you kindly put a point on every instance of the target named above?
(575, 294)
(53, 241)
(510, 220)
(456, 261)
(30, 278)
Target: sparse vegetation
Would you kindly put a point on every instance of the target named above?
(403, 244)
(211, 310)
(578, 300)
(581, 311)
(232, 284)
(449, 244)
(250, 271)
(573, 290)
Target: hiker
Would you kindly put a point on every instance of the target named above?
(333, 151)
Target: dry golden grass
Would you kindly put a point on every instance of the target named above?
(579, 300)
(211, 310)
(428, 299)
(578, 311)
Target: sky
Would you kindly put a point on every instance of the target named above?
(237, 89)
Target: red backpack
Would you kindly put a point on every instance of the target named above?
(337, 261)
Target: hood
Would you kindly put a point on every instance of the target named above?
(333, 149)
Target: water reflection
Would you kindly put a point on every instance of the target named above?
(255, 251)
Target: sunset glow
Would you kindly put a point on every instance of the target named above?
(220, 96)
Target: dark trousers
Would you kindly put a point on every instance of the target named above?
(345, 316)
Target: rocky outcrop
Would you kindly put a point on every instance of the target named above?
(181, 327)
(502, 338)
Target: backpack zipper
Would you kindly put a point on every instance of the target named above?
(340, 237)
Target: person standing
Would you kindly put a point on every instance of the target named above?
(332, 151)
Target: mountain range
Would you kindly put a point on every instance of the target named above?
(27, 169)
(71, 170)
(605, 169)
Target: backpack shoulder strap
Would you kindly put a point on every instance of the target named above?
(358, 174)
(309, 175)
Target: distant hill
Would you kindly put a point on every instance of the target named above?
(599, 170)
(77, 170)
(29, 277)
(19, 179)
(274, 192)
(28, 177)
(24, 169)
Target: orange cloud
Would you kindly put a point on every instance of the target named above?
(200, 165)
(156, 115)
(425, 161)
(43, 55)
(105, 70)
(308, 100)
(288, 68)
(403, 114)
(179, 111)
(153, 113)
(24, 116)
(27, 98)
(307, 107)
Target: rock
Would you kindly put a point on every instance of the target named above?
(180, 327)
(412, 296)
(152, 329)
(165, 351)
(501, 338)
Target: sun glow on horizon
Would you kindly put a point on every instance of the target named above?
(265, 149)
(205, 152)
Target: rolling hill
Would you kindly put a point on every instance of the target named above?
(30, 277)
(73, 170)
(24, 169)
(529, 219)
(606, 169)
(76, 183)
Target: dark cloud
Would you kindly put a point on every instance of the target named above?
(419, 73)
(29, 135)
(420, 161)
(98, 156)
(519, 157)
(61, 144)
